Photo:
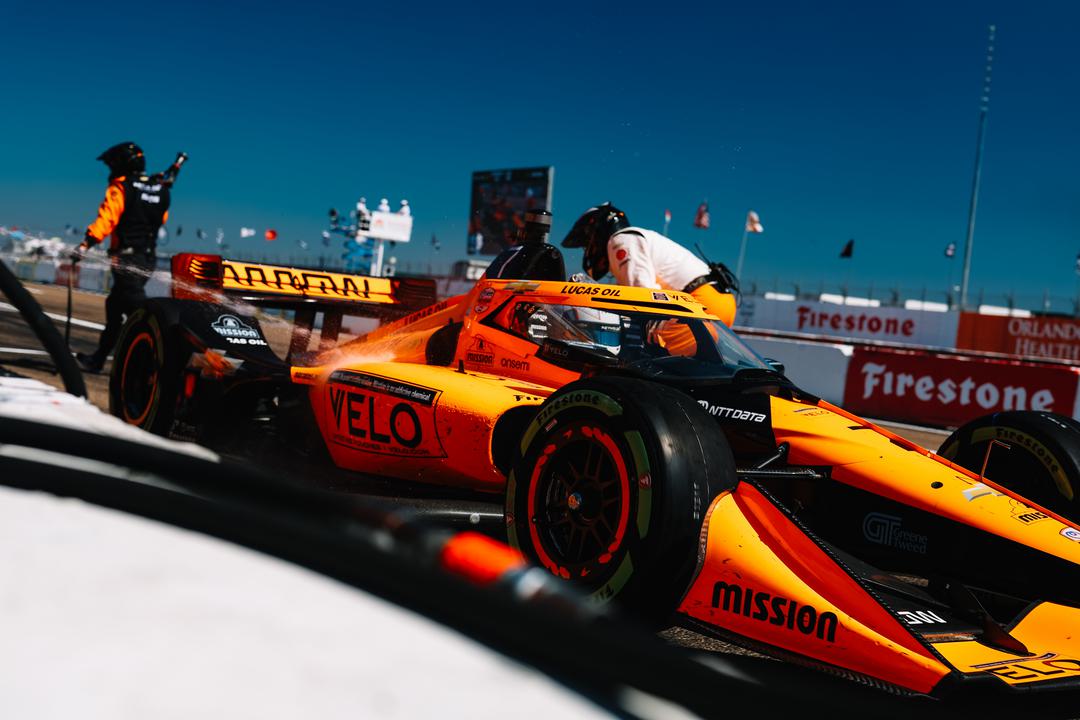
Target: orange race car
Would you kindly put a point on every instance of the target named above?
(644, 452)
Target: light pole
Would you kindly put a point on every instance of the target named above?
(984, 108)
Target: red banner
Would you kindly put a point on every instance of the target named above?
(62, 272)
(938, 389)
(1045, 337)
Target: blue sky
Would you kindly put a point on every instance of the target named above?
(833, 120)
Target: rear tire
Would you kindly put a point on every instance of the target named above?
(612, 487)
(143, 385)
(1042, 465)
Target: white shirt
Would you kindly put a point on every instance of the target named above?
(643, 258)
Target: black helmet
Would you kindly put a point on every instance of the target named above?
(124, 159)
(592, 231)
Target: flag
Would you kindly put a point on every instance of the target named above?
(435, 243)
(200, 233)
(667, 216)
(701, 219)
(179, 230)
(219, 236)
(950, 250)
(246, 232)
(848, 249)
(1078, 263)
(270, 235)
(753, 223)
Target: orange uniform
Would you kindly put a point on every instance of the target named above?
(111, 212)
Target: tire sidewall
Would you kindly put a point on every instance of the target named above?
(143, 326)
(573, 409)
(669, 492)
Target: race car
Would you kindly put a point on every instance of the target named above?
(642, 451)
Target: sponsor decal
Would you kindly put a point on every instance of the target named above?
(979, 490)
(1031, 517)
(1048, 666)
(308, 283)
(775, 610)
(660, 296)
(521, 286)
(951, 390)
(514, 364)
(727, 413)
(480, 309)
(575, 398)
(888, 530)
(1070, 534)
(1024, 514)
(600, 290)
(486, 294)
(920, 617)
(421, 314)
(557, 351)
(480, 352)
(383, 416)
(236, 331)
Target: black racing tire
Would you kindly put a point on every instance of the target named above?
(613, 483)
(145, 378)
(1043, 464)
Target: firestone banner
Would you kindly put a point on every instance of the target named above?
(883, 324)
(1042, 337)
(949, 390)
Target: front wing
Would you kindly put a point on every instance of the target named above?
(766, 582)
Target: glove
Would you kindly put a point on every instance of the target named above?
(81, 249)
(724, 278)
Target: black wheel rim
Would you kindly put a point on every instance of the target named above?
(580, 498)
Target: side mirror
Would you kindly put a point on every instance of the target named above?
(775, 365)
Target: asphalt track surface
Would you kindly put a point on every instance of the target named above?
(20, 353)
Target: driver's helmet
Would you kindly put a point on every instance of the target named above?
(123, 159)
(592, 232)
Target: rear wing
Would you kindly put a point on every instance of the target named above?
(204, 277)
(212, 278)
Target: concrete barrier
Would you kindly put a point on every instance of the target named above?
(817, 367)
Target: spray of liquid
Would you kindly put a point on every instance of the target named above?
(393, 347)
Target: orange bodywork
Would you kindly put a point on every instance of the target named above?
(386, 407)
(384, 410)
(763, 578)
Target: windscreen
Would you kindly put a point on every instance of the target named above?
(681, 346)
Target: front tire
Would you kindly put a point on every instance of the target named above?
(1042, 464)
(613, 484)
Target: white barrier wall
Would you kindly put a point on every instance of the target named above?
(94, 275)
(818, 368)
(884, 324)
